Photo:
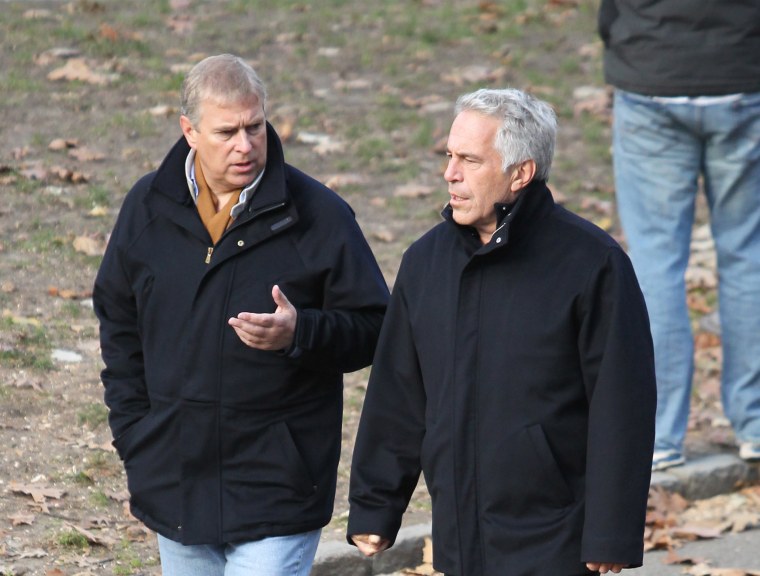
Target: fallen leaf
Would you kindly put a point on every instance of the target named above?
(474, 74)
(20, 518)
(86, 154)
(66, 175)
(38, 494)
(90, 245)
(34, 171)
(413, 191)
(384, 235)
(78, 69)
(696, 532)
(21, 320)
(338, 181)
(33, 553)
(67, 294)
(180, 23)
(38, 14)
(162, 110)
(62, 144)
(93, 538)
(592, 100)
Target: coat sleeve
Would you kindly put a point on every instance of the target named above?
(617, 357)
(386, 459)
(342, 334)
(121, 347)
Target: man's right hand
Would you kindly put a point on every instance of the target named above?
(370, 544)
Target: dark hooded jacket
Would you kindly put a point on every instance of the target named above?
(221, 442)
(519, 377)
(681, 47)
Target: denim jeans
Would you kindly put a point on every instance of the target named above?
(274, 556)
(660, 151)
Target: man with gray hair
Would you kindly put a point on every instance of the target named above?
(234, 293)
(514, 369)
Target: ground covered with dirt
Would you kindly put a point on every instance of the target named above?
(362, 96)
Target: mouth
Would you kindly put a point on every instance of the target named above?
(243, 166)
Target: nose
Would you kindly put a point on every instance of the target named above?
(452, 173)
(243, 141)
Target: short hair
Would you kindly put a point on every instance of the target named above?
(225, 78)
(528, 128)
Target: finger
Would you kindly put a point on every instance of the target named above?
(362, 544)
(250, 321)
(279, 298)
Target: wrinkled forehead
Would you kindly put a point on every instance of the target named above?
(226, 102)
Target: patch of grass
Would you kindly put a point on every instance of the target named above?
(137, 125)
(71, 309)
(99, 499)
(82, 479)
(597, 138)
(129, 562)
(371, 149)
(93, 415)
(98, 195)
(32, 348)
(73, 540)
(20, 82)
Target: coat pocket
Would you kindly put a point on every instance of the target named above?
(268, 461)
(524, 478)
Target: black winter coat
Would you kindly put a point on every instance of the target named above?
(519, 377)
(221, 442)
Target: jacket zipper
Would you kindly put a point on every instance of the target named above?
(210, 249)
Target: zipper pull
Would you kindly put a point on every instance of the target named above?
(208, 254)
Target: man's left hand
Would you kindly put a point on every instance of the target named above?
(268, 331)
(604, 567)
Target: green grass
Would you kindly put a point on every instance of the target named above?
(93, 415)
(31, 348)
(73, 540)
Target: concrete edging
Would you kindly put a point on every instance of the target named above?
(702, 477)
(341, 559)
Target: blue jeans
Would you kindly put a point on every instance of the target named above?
(274, 556)
(660, 152)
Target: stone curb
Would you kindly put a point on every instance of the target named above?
(341, 559)
(702, 477)
(708, 476)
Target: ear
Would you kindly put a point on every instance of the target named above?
(188, 130)
(522, 174)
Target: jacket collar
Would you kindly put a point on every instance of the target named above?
(514, 219)
(169, 188)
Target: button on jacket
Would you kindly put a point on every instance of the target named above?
(222, 442)
(518, 377)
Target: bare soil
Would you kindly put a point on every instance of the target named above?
(362, 97)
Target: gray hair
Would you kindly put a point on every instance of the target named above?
(528, 128)
(225, 78)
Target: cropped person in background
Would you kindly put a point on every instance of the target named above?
(234, 293)
(687, 111)
(514, 368)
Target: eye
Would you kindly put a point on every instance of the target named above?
(254, 128)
